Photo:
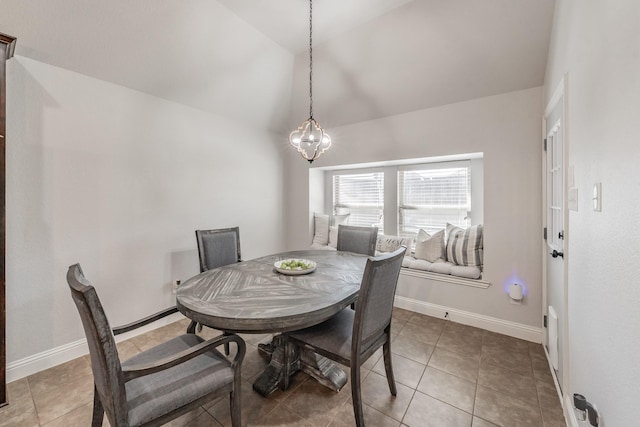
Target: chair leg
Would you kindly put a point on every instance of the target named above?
(388, 367)
(356, 395)
(236, 404)
(98, 410)
(191, 329)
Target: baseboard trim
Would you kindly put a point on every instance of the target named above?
(569, 413)
(47, 359)
(565, 401)
(493, 324)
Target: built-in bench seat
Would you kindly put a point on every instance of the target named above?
(451, 252)
(442, 267)
(419, 265)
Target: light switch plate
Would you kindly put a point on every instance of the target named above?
(597, 197)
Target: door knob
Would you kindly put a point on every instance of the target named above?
(557, 254)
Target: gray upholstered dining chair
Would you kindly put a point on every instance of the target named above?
(361, 240)
(159, 384)
(351, 337)
(218, 247)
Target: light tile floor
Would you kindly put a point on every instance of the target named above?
(447, 375)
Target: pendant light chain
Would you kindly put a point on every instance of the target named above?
(309, 138)
(310, 59)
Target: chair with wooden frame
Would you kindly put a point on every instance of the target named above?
(217, 248)
(351, 337)
(159, 384)
(361, 240)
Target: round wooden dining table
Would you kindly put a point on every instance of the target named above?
(253, 297)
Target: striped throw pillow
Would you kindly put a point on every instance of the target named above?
(464, 246)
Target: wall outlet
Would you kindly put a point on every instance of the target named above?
(175, 285)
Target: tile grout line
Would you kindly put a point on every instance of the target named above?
(414, 390)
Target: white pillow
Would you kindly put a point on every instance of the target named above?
(342, 219)
(333, 237)
(430, 248)
(320, 229)
(387, 243)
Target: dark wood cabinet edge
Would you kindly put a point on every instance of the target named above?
(7, 49)
(10, 42)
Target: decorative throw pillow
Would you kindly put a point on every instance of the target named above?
(430, 248)
(391, 243)
(464, 246)
(342, 219)
(321, 229)
(333, 237)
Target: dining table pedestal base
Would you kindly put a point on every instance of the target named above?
(287, 359)
(324, 370)
(277, 373)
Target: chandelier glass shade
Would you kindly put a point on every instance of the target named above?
(309, 138)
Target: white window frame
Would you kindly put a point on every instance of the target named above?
(391, 169)
(435, 166)
(335, 210)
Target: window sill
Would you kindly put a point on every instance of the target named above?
(475, 283)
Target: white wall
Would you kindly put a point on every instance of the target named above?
(596, 43)
(119, 180)
(507, 129)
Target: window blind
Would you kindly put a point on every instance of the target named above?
(431, 198)
(362, 196)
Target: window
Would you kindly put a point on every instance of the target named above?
(362, 196)
(402, 198)
(432, 196)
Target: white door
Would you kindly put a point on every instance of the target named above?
(555, 213)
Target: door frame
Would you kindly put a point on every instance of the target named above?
(7, 47)
(560, 95)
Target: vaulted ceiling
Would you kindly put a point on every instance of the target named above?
(427, 53)
(248, 59)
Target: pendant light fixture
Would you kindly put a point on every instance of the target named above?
(310, 139)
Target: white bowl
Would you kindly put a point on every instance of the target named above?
(297, 271)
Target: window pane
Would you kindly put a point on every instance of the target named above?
(361, 195)
(429, 198)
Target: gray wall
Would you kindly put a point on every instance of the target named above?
(507, 129)
(596, 45)
(119, 180)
